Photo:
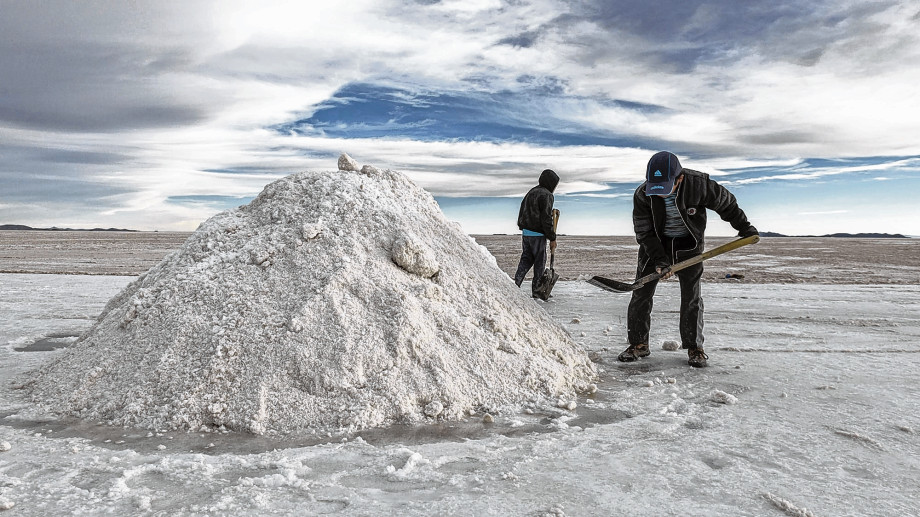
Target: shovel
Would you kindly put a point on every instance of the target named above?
(548, 280)
(610, 284)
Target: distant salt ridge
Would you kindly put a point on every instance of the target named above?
(334, 300)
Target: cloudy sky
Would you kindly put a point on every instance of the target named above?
(156, 115)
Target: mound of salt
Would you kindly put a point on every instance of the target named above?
(335, 300)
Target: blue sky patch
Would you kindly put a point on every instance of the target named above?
(364, 110)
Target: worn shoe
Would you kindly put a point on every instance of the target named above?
(634, 352)
(697, 357)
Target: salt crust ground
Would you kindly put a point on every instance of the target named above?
(334, 300)
(825, 424)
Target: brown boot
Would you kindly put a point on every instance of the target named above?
(634, 352)
(697, 357)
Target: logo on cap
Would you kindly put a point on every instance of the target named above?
(657, 174)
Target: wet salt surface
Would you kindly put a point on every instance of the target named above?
(142, 440)
(824, 421)
(50, 342)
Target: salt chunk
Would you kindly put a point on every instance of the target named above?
(370, 170)
(434, 408)
(487, 419)
(310, 231)
(564, 404)
(415, 258)
(6, 504)
(5, 446)
(347, 163)
(576, 320)
(722, 398)
(670, 345)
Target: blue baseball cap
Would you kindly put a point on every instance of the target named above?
(663, 169)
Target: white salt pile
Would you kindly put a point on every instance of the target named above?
(335, 300)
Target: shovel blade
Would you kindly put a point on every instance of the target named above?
(612, 285)
(545, 286)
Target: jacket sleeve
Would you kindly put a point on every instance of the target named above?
(723, 202)
(644, 226)
(546, 216)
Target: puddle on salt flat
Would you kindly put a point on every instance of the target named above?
(143, 440)
(50, 342)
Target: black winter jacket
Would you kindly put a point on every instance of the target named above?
(696, 193)
(536, 212)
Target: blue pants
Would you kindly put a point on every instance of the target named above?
(533, 255)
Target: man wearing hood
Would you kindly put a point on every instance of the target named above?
(669, 218)
(535, 220)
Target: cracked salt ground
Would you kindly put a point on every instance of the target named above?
(811, 433)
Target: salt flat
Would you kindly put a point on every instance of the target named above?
(808, 408)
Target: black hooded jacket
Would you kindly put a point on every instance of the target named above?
(536, 212)
(695, 194)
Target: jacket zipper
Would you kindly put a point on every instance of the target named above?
(655, 227)
(687, 226)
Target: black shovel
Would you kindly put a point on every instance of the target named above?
(548, 280)
(610, 284)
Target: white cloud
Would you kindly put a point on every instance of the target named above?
(156, 94)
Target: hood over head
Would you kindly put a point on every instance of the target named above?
(549, 179)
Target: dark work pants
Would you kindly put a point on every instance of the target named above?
(639, 313)
(533, 255)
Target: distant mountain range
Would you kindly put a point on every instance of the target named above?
(846, 235)
(56, 229)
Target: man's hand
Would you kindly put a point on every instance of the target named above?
(668, 273)
(552, 246)
(748, 232)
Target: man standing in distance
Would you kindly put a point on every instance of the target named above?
(535, 220)
(669, 218)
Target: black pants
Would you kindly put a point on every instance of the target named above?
(533, 255)
(639, 313)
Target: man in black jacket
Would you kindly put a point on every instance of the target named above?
(535, 220)
(669, 218)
